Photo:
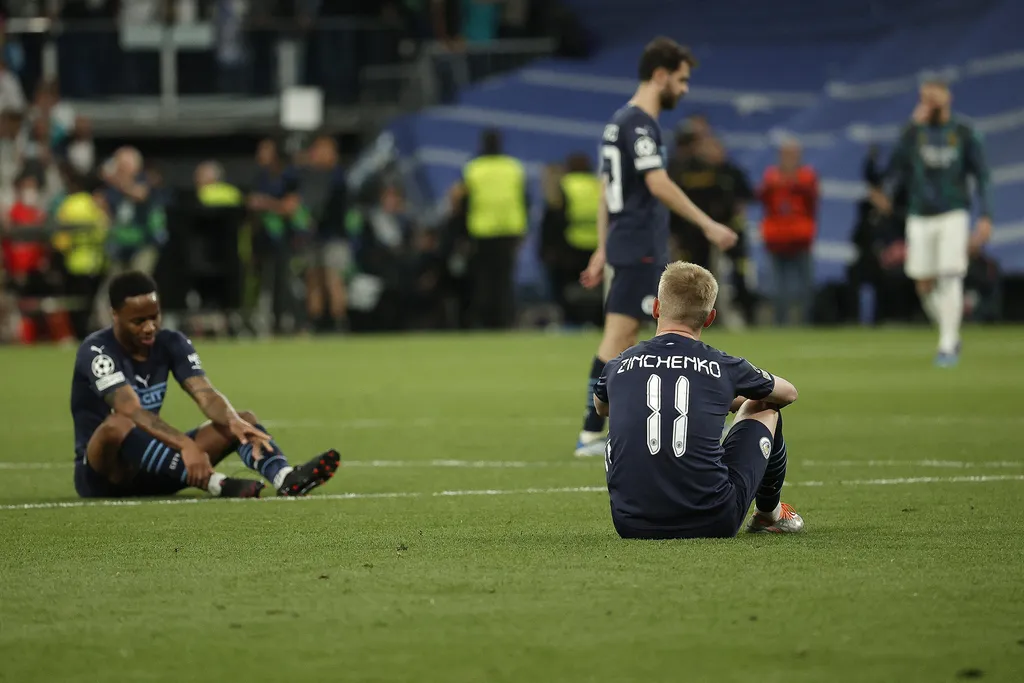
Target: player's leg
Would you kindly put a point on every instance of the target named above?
(921, 263)
(755, 453)
(218, 442)
(949, 289)
(629, 291)
(122, 461)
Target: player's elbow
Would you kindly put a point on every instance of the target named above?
(785, 393)
(601, 407)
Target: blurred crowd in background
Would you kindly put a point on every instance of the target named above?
(290, 242)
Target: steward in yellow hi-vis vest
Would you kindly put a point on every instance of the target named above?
(496, 193)
(569, 237)
(495, 208)
(582, 195)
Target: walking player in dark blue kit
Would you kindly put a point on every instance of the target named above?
(667, 399)
(632, 221)
(124, 449)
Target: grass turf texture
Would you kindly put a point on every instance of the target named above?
(894, 580)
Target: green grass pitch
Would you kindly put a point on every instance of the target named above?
(461, 541)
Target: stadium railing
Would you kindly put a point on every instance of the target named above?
(185, 75)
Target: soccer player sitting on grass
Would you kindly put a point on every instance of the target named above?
(124, 449)
(669, 475)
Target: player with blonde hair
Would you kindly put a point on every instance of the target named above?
(669, 474)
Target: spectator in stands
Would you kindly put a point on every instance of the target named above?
(720, 189)
(381, 242)
(60, 115)
(789, 194)
(10, 157)
(283, 225)
(138, 220)
(25, 254)
(491, 206)
(12, 97)
(36, 148)
(81, 149)
(324, 192)
(569, 237)
(880, 289)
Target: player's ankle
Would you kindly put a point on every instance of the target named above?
(279, 478)
(214, 485)
(775, 514)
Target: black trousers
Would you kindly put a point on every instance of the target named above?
(492, 272)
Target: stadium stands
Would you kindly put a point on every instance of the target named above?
(838, 91)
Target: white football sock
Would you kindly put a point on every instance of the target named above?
(930, 303)
(590, 437)
(213, 486)
(951, 312)
(280, 476)
(775, 514)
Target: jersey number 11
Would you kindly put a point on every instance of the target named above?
(682, 405)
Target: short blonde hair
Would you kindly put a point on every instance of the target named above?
(687, 294)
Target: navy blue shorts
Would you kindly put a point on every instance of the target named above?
(91, 484)
(632, 290)
(747, 447)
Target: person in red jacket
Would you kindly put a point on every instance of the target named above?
(27, 261)
(789, 193)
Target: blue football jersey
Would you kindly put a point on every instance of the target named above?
(102, 366)
(668, 399)
(631, 147)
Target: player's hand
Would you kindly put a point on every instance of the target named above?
(197, 464)
(880, 201)
(248, 434)
(722, 237)
(982, 234)
(920, 113)
(592, 276)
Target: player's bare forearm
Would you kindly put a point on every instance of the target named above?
(601, 407)
(736, 403)
(214, 404)
(125, 401)
(602, 217)
(783, 394)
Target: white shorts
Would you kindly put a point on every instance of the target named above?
(937, 245)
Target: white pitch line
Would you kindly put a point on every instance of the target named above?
(443, 464)
(951, 464)
(585, 462)
(481, 492)
(367, 423)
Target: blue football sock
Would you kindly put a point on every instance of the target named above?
(592, 422)
(147, 454)
(769, 494)
(269, 465)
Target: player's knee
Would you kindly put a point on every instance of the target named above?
(248, 416)
(114, 429)
(925, 287)
(760, 411)
(620, 333)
